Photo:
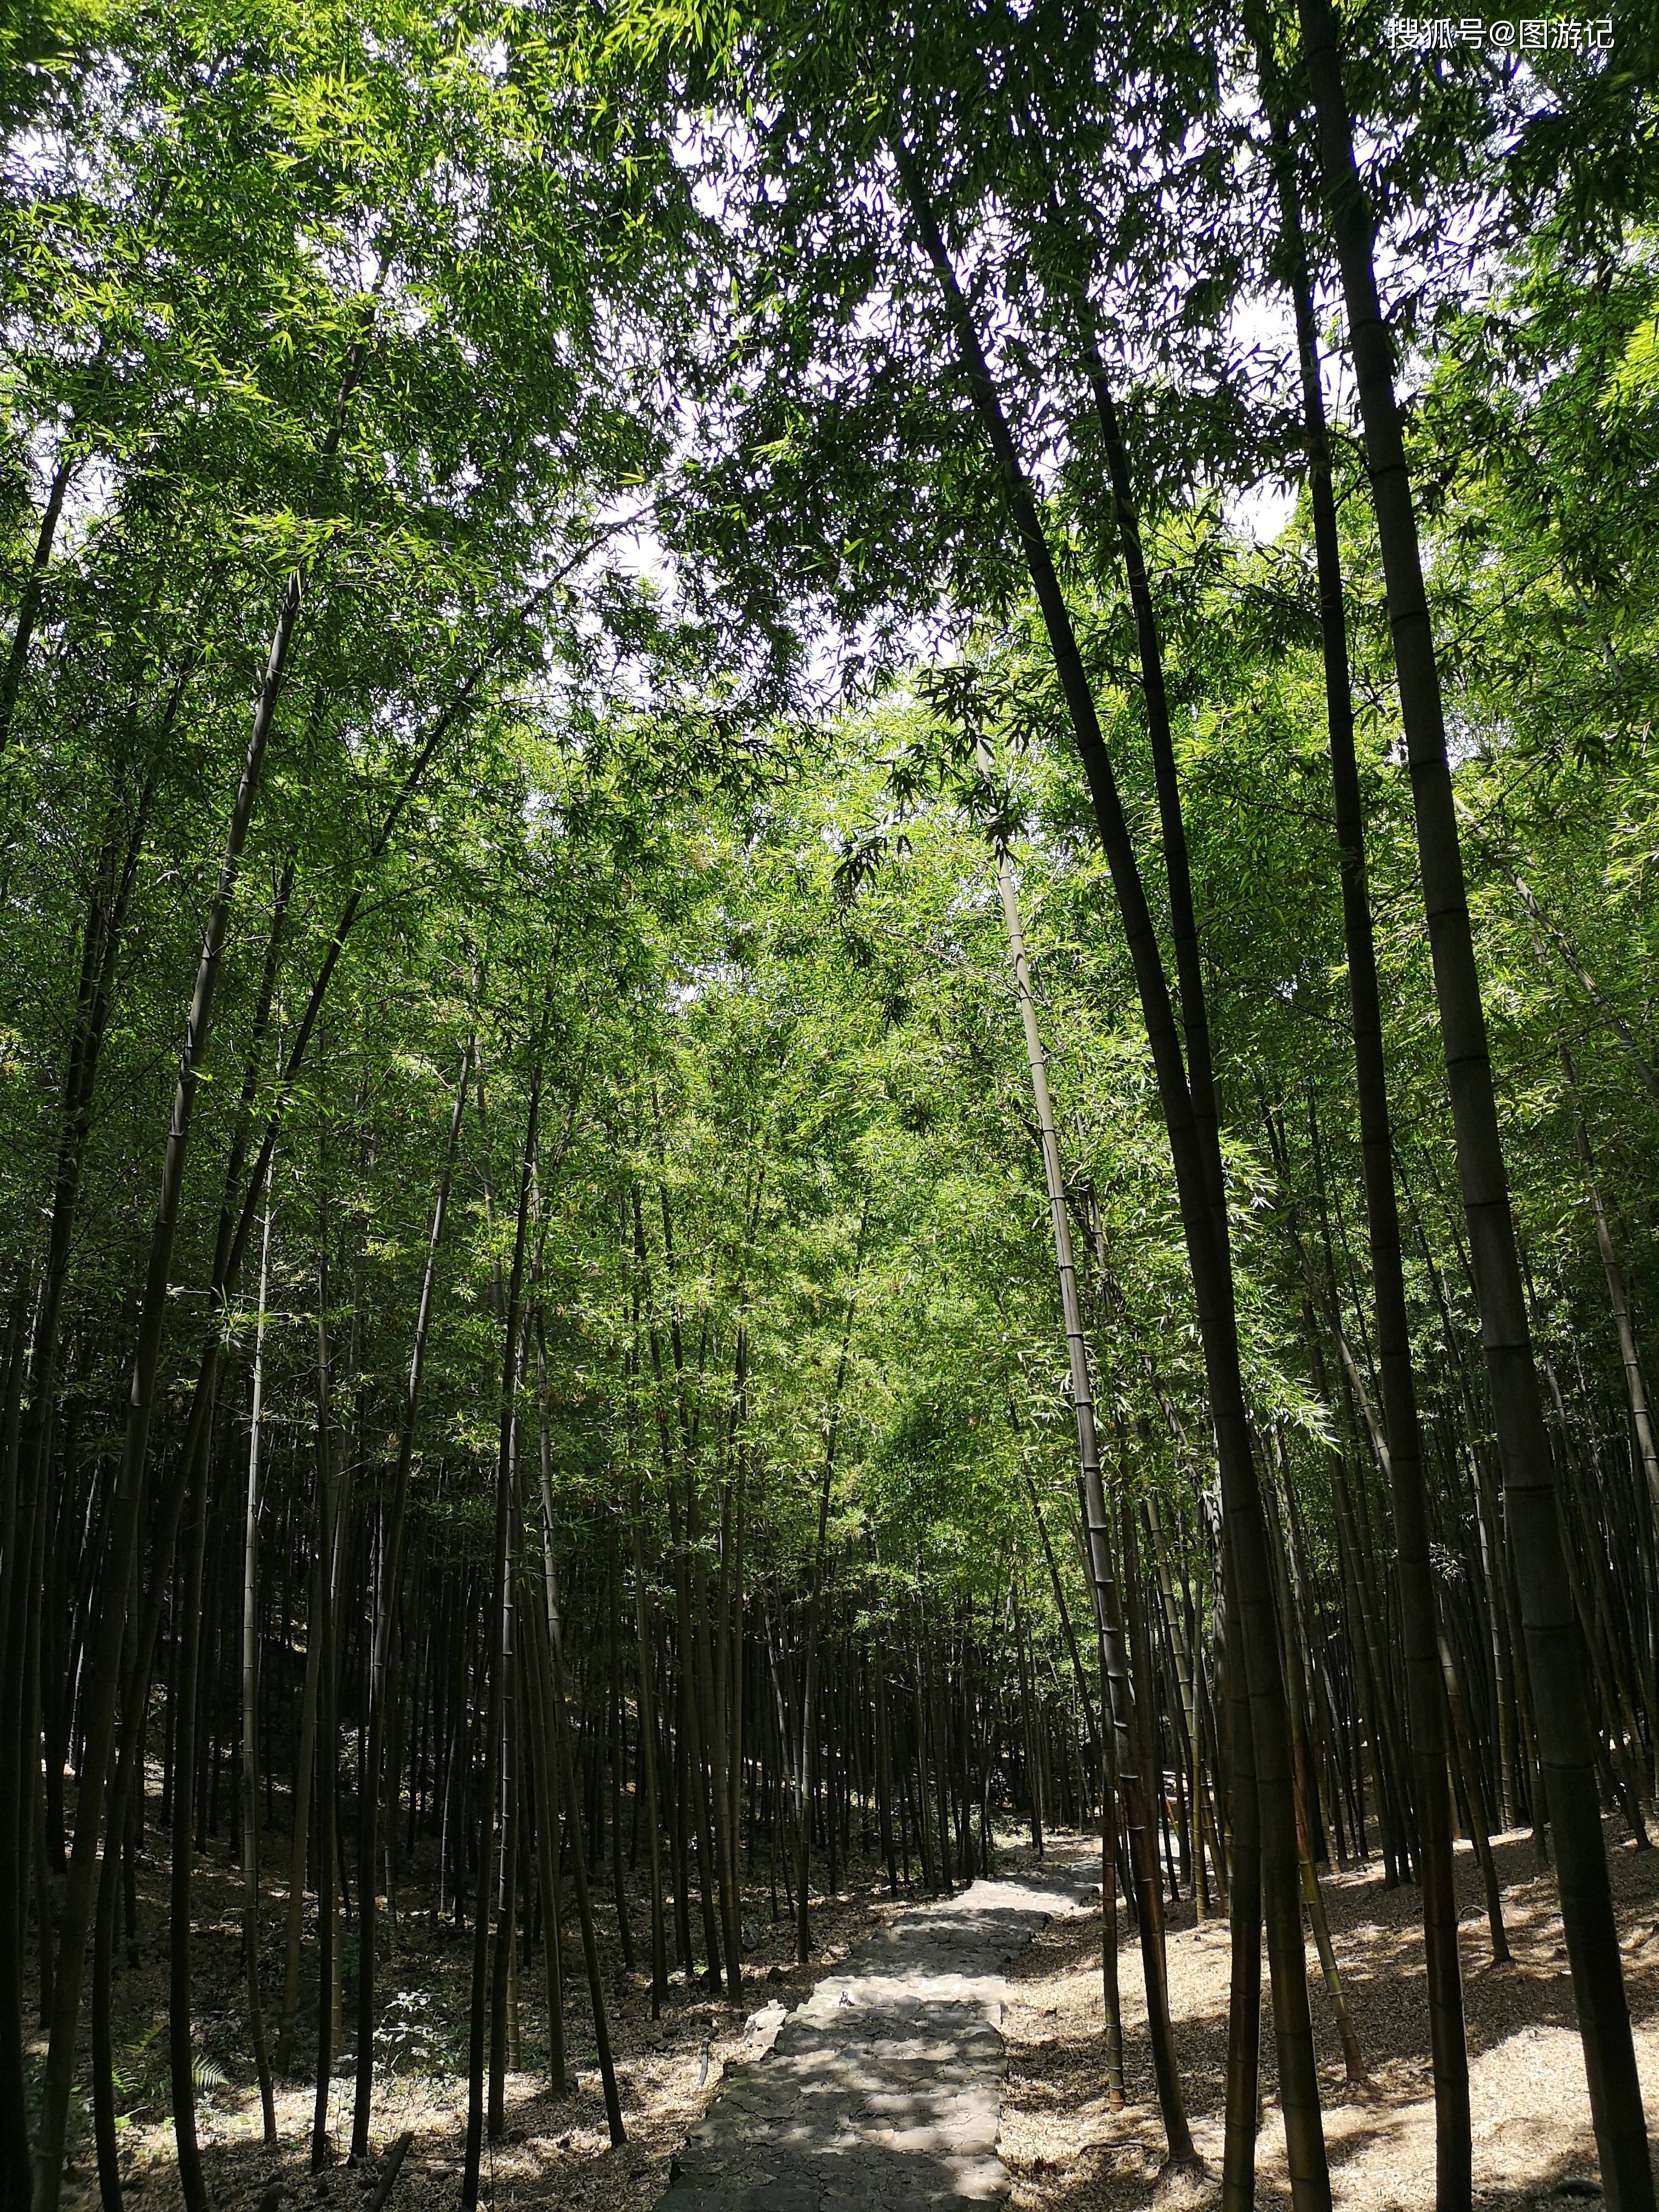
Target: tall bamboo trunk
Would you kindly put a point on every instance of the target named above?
(691, 1778)
(1132, 1770)
(181, 2054)
(1244, 1989)
(618, 1739)
(251, 1914)
(329, 1518)
(579, 1864)
(544, 1627)
(503, 1991)
(809, 1713)
(1556, 1668)
(498, 1647)
(1424, 1688)
(712, 1729)
(373, 1784)
(1197, 1179)
(1636, 1388)
(545, 1805)
(300, 1832)
(647, 1764)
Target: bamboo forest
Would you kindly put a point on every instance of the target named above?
(828, 1005)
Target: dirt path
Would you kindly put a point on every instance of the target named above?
(884, 2088)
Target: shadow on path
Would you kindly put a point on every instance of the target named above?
(885, 2089)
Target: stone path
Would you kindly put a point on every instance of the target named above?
(883, 2092)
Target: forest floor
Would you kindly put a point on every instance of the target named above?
(1068, 2152)
(556, 2149)
(1065, 2149)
